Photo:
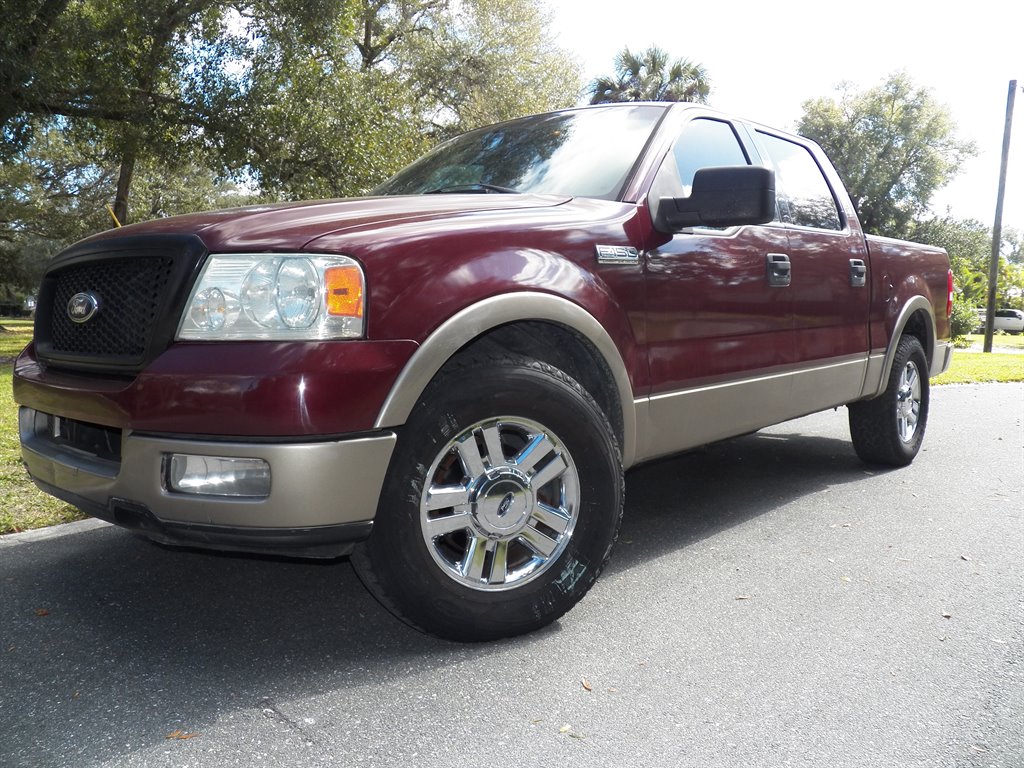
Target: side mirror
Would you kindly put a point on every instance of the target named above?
(727, 196)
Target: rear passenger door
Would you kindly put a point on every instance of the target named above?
(829, 280)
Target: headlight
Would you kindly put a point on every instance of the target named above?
(275, 296)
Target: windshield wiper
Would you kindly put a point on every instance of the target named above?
(477, 187)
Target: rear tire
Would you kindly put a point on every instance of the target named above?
(889, 429)
(501, 505)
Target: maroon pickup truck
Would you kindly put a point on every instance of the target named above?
(447, 380)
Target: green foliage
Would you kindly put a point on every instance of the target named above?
(469, 71)
(969, 245)
(963, 320)
(318, 136)
(893, 145)
(159, 107)
(25, 506)
(1010, 290)
(650, 76)
(57, 191)
(1012, 246)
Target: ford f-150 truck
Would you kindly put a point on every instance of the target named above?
(446, 380)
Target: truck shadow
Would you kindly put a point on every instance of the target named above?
(674, 502)
(107, 634)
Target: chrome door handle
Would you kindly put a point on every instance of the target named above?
(858, 273)
(780, 271)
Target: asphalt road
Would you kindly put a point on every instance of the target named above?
(772, 602)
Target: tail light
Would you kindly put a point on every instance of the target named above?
(949, 292)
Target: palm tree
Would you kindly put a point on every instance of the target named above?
(649, 76)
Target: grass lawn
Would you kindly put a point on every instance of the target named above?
(979, 367)
(23, 506)
(1004, 340)
(14, 337)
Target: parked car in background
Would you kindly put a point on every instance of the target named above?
(1010, 320)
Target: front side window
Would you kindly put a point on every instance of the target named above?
(702, 144)
(803, 195)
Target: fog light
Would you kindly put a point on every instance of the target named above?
(216, 476)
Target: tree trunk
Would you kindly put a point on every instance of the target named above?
(124, 184)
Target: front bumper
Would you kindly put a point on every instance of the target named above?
(323, 494)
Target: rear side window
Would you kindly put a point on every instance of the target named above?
(804, 196)
(705, 144)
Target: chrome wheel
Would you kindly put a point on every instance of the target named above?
(499, 504)
(487, 526)
(908, 402)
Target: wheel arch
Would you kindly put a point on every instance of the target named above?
(914, 319)
(546, 327)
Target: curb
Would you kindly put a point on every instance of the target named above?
(52, 532)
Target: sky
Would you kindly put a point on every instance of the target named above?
(765, 59)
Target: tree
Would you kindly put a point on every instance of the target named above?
(471, 72)
(649, 76)
(26, 24)
(893, 145)
(969, 245)
(57, 190)
(1013, 246)
(338, 114)
(130, 75)
(382, 25)
(112, 101)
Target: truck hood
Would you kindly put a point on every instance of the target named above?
(290, 226)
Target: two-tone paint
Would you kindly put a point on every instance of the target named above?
(686, 343)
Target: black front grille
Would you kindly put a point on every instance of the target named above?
(136, 286)
(128, 292)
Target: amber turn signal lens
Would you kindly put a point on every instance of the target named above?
(344, 291)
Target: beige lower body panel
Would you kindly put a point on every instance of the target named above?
(942, 358)
(676, 421)
(313, 483)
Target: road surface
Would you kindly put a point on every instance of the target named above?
(771, 602)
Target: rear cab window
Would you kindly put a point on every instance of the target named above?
(803, 195)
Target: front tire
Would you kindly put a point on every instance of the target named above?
(889, 429)
(501, 505)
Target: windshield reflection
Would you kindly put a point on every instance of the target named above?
(582, 153)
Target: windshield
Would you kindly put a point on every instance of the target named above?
(584, 153)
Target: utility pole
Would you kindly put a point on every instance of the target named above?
(997, 228)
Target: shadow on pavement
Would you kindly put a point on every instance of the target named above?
(677, 501)
(109, 643)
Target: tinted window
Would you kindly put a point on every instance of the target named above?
(586, 153)
(803, 194)
(705, 144)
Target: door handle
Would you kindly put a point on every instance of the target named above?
(858, 273)
(780, 271)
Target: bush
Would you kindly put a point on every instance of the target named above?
(963, 320)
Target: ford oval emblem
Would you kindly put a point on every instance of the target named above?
(83, 307)
(506, 504)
